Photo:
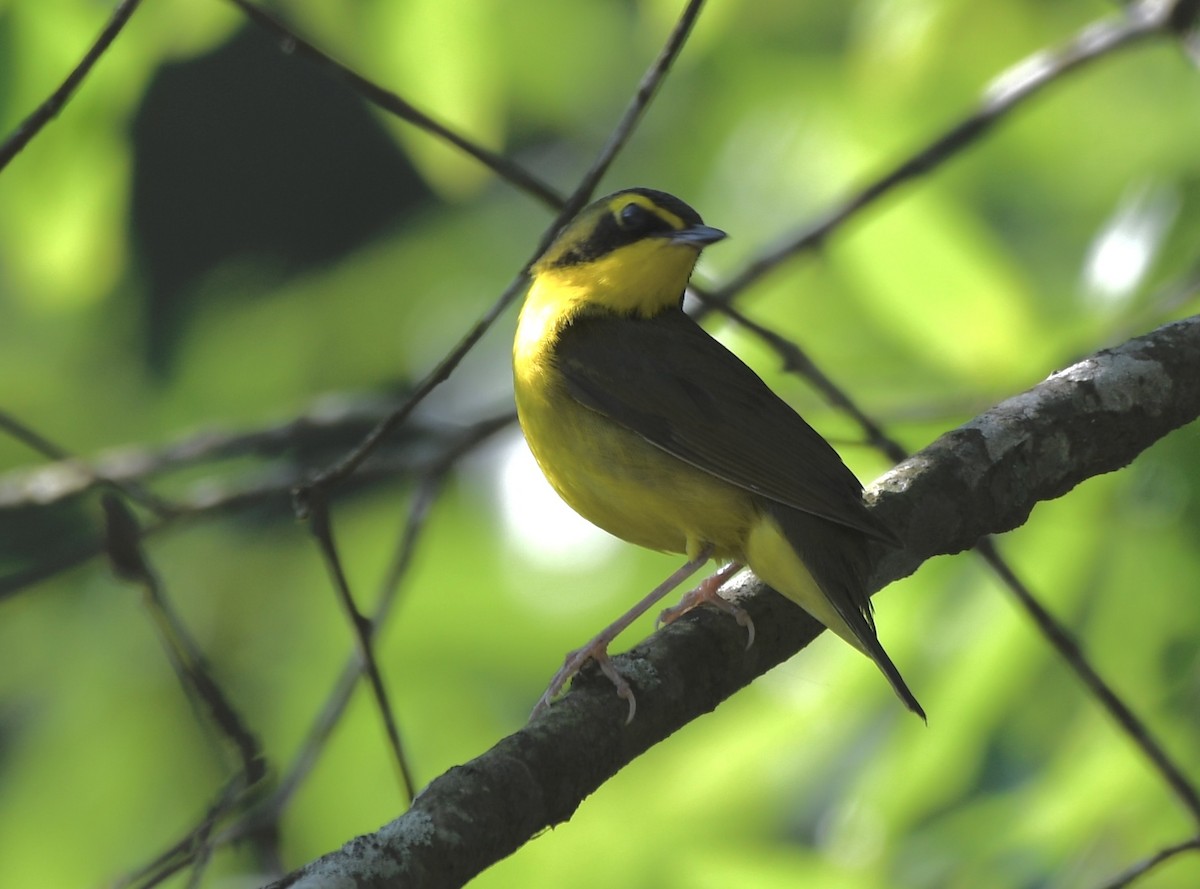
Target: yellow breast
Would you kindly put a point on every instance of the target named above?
(609, 474)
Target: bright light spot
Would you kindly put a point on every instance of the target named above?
(537, 522)
(1126, 246)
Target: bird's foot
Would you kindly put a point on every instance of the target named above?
(596, 650)
(707, 593)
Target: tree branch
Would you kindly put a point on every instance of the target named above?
(49, 109)
(984, 477)
(1087, 419)
(290, 41)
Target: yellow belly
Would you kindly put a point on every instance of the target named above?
(623, 484)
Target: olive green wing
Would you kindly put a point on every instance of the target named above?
(681, 390)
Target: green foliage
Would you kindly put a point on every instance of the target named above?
(969, 285)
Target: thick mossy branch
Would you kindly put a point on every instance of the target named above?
(1090, 418)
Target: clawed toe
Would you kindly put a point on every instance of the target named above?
(623, 690)
(573, 664)
(707, 594)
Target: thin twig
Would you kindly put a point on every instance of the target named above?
(44, 113)
(327, 427)
(306, 495)
(323, 533)
(197, 842)
(646, 90)
(127, 468)
(79, 470)
(796, 360)
(1004, 95)
(129, 563)
(388, 101)
(124, 548)
(418, 512)
(337, 700)
(1126, 878)
(1065, 644)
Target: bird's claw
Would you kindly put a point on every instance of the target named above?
(707, 594)
(623, 690)
(572, 665)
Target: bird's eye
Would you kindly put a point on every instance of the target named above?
(635, 217)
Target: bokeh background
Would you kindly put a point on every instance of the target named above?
(216, 236)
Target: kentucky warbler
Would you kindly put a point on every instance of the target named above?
(651, 429)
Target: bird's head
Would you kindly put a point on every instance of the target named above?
(631, 253)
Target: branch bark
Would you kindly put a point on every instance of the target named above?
(982, 478)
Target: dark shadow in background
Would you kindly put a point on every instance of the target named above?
(248, 153)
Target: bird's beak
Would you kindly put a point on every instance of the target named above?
(698, 235)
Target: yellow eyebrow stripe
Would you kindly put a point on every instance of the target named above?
(624, 200)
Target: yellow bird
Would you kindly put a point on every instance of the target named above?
(650, 428)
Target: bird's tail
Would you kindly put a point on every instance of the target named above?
(821, 567)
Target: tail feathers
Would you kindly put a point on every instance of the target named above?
(875, 651)
(822, 568)
(859, 623)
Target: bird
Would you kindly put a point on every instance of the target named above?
(654, 431)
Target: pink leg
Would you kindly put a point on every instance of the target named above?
(597, 649)
(707, 594)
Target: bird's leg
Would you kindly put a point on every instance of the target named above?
(707, 594)
(597, 649)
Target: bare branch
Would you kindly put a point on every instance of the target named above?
(647, 88)
(318, 433)
(129, 563)
(388, 101)
(328, 426)
(322, 532)
(44, 113)
(1139, 870)
(72, 470)
(1062, 640)
(1090, 418)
